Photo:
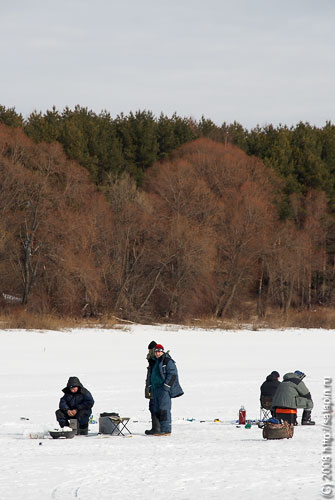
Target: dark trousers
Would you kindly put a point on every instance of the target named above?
(82, 416)
(160, 405)
(289, 416)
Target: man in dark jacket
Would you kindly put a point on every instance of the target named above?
(268, 389)
(76, 403)
(155, 425)
(163, 385)
(291, 395)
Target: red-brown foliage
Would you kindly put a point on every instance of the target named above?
(49, 209)
(223, 200)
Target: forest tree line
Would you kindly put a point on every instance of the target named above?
(200, 228)
(303, 156)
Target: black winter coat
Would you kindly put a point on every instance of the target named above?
(269, 387)
(80, 400)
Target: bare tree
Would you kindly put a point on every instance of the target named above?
(50, 209)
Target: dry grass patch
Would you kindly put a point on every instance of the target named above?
(113, 322)
(314, 318)
(215, 323)
(23, 319)
(20, 318)
(275, 319)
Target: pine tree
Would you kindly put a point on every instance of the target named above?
(8, 116)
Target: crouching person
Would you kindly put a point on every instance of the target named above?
(76, 403)
(163, 385)
(292, 394)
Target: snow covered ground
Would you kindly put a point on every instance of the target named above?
(219, 371)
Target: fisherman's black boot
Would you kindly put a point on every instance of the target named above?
(156, 427)
(83, 431)
(306, 418)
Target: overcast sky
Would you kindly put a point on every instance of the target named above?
(253, 61)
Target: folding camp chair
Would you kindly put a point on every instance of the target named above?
(265, 410)
(121, 425)
(112, 423)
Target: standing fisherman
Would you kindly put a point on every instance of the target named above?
(163, 385)
(155, 425)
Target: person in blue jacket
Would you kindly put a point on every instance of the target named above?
(163, 385)
(76, 403)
